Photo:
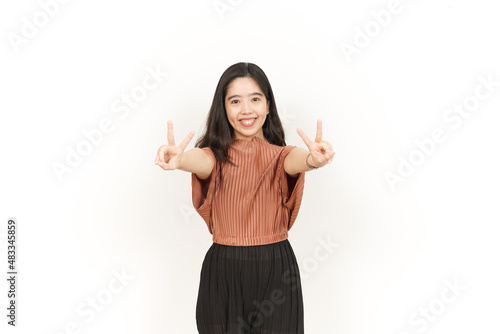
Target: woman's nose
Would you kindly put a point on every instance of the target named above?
(245, 107)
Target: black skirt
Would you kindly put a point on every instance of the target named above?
(250, 289)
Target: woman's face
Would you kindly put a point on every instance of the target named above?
(246, 108)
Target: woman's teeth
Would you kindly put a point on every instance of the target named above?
(248, 122)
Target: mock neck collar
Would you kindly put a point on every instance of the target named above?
(255, 138)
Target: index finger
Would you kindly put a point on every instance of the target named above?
(170, 133)
(319, 131)
(304, 137)
(186, 140)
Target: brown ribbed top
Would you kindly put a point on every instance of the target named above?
(256, 202)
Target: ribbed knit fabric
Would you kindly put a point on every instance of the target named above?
(255, 202)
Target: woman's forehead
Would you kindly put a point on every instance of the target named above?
(243, 86)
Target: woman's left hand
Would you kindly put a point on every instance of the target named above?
(321, 151)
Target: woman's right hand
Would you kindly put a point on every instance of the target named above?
(169, 156)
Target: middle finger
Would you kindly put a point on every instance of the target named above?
(319, 132)
(170, 133)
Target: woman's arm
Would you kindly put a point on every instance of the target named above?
(295, 162)
(197, 161)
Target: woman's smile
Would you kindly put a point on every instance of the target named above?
(248, 122)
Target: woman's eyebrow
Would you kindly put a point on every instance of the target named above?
(232, 96)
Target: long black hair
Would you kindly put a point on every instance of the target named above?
(219, 132)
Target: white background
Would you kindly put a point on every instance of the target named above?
(116, 211)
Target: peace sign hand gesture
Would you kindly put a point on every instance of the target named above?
(321, 151)
(169, 156)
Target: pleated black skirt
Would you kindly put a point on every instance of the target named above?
(250, 290)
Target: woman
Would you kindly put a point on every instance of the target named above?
(247, 185)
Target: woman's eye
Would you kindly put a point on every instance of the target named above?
(235, 101)
(256, 99)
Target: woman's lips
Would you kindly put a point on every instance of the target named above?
(242, 122)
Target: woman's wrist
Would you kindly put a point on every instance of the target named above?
(309, 165)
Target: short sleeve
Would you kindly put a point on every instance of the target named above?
(292, 188)
(203, 191)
